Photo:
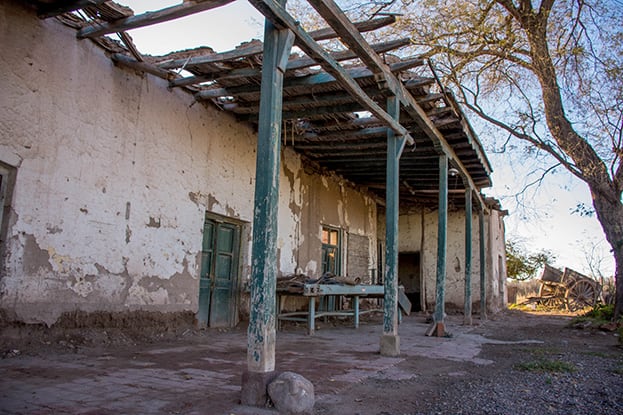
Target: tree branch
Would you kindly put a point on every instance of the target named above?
(559, 156)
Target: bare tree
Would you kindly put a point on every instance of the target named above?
(547, 72)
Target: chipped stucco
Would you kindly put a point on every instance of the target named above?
(115, 175)
(411, 240)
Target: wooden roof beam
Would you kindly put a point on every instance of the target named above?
(363, 26)
(311, 113)
(132, 63)
(150, 18)
(304, 102)
(293, 64)
(342, 25)
(358, 146)
(257, 47)
(279, 17)
(311, 80)
(349, 54)
(336, 18)
(363, 133)
(241, 52)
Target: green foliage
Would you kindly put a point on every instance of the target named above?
(546, 366)
(603, 312)
(598, 315)
(521, 265)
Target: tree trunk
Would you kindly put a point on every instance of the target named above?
(610, 216)
(618, 301)
(604, 190)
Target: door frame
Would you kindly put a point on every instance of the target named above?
(236, 285)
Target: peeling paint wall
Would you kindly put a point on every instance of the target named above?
(114, 175)
(496, 291)
(412, 238)
(313, 200)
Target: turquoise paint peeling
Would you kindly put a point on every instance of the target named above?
(261, 335)
(483, 265)
(442, 232)
(468, 257)
(394, 149)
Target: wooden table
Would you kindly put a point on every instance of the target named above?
(313, 291)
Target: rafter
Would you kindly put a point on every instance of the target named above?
(340, 23)
(308, 80)
(274, 12)
(293, 64)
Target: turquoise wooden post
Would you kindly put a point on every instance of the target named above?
(261, 333)
(467, 313)
(390, 341)
(483, 265)
(442, 231)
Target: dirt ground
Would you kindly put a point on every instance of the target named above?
(529, 363)
(515, 362)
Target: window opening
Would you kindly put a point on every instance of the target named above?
(331, 250)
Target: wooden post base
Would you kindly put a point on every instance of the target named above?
(437, 329)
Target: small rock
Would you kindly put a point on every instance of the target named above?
(292, 394)
(612, 326)
(11, 353)
(582, 324)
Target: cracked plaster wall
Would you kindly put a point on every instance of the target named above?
(115, 173)
(313, 201)
(410, 240)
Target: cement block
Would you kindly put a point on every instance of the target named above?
(255, 387)
(390, 345)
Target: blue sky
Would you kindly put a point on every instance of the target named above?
(548, 222)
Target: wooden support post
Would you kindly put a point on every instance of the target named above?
(483, 265)
(311, 316)
(442, 232)
(467, 313)
(390, 342)
(261, 334)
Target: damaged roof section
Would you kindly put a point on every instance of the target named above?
(322, 120)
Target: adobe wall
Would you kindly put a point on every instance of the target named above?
(418, 233)
(114, 173)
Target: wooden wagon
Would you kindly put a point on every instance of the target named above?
(567, 289)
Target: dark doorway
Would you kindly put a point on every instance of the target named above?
(409, 277)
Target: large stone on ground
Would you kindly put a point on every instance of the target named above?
(292, 394)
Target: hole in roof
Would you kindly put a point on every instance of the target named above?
(184, 73)
(240, 21)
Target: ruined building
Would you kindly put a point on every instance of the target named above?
(128, 185)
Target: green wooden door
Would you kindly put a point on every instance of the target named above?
(219, 273)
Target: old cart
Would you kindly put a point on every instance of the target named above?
(567, 289)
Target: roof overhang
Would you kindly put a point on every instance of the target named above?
(333, 114)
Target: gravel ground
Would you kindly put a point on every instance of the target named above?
(571, 372)
(515, 363)
(594, 388)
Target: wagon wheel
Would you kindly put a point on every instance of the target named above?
(582, 294)
(550, 296)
